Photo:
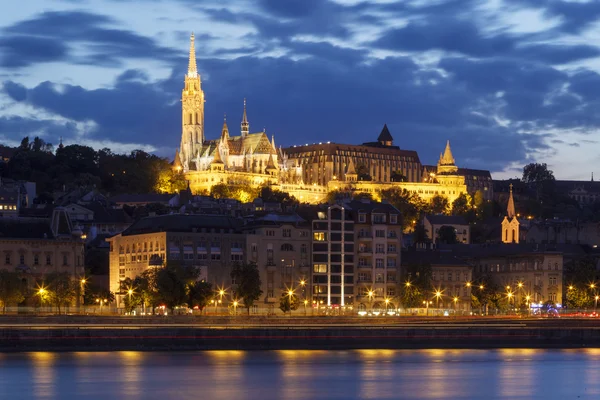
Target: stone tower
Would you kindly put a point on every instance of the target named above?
(510, 223)
(192, 112)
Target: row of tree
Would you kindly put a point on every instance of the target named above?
(175, 286)
(76, 166)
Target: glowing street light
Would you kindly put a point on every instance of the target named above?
(455, 300)
(235, 304)
(438, 295)
(387, 303)
(370, 294)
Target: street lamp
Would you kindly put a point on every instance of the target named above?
(387, 302)
(305, 303)
(596, 304)
(370, 293)
(510, 295)
(290, 294)
(455, 300)
(427, 303)
(438, 295)
(527, 299)
(235, 304)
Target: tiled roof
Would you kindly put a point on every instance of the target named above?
(183, 223)
(21, 229)
(385, 135)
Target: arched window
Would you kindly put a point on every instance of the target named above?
(514, 236)
(197, 119)
(287, 247)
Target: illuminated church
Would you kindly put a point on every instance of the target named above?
(251, 153)
(309, 171)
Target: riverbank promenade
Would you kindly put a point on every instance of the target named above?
(110, 333)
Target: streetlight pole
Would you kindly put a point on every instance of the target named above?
(83, 281)
(235, 304)
(290, 294)
(370, 293)
(387, 302)
(455, 303)
(305, 303)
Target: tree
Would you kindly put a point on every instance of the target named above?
(132, 298)
(541, 178)
(62, 290)
(447, 234)
(11, 289)
(171, 285)
(220, 191)
(439, 204)
(410, 205)
(199, 294)
(420, 233)
(247, 282)
(461, 205)
(362, 173)
(288, 303)
(579, 275)
(485, 293)
(398, 176)
(417, 286)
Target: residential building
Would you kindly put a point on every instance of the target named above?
(280, 245)
(212, 243)
(433, 224)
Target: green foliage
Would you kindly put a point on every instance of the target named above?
(62, 290)
(288, 303)
(420, 234)
(77, 166)
(11, 289)
(490, 295)
(410, 205)
(172, 284)
(398, 176)
(267, 194)
(447, 234)
(199, 294)
(417, 286)
(132, 299)
(579, 275)
(362, 173)
(221, 191)
(248, 283)
(462, 205)
(439, 204)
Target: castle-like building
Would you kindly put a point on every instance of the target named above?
(310, 171)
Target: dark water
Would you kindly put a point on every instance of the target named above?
(361, 374)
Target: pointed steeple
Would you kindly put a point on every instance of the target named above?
(273, 143)
(350, 169)
(192, 68)
(245, 124)
(225, 130)
(510, 209)
(447, 158)
(217, 157)
(592, 177)
(385, 137)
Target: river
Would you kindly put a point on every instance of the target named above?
(358, 374)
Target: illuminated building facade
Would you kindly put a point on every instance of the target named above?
(307, 172)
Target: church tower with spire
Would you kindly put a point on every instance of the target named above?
(510, 223)
(192, 112)
(447, 171)
(245, 126)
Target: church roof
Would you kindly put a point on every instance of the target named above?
(253, 143)
(385, 135)
(447, 158)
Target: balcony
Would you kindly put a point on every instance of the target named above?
(365, 236)
(365, 250)
(364, 266)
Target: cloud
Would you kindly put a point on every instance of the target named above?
(52, 36)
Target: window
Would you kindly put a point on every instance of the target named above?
(320, 268)
(49, 259)
(379, 218)
(450, 276)
(286, 232)
(36, 259)
(379, 263)
(393, 219)
(552, 280)
(22, 259)
(391, 277)
(121, 261)
(391, 292)
(362, 262)
(237, 257)
(65, 259)
(215, 257)
(362, 277)
(303, 234)
(362, 217)
(215, 246)
(7, 258)
(380, 248)
(391, 262)
(303, 249)
(202, 256)
(380, 233)
(379, 292)
(320, 236)
(287, 247)
(391, 248)
(270, 232)
(379, 278)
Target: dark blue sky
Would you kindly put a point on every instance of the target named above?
(506, 81)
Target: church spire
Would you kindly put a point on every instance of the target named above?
(447, 158)
(510, 209)
(192, 68)
(225, 130)
(245, 123)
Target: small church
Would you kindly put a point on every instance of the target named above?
(510, 223)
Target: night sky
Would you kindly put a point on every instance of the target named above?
(508, 82)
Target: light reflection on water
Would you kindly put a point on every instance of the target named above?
(291, 375)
